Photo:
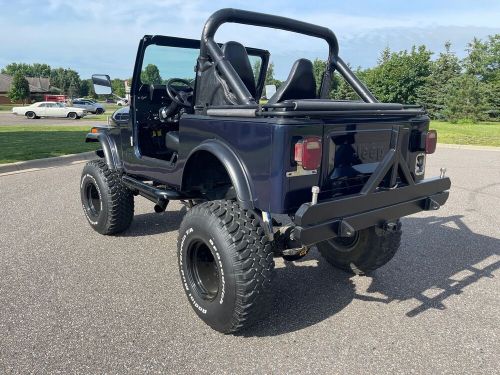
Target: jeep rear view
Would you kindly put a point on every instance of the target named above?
(260, 179)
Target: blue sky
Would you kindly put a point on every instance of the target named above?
(101, 36)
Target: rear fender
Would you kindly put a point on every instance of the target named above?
(234, 166)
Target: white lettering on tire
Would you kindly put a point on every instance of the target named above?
(223, 280)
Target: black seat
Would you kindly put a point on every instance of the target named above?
(172, 140)
(237, 55)
(300, 83)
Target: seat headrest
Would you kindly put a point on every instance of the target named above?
(300, 83)
(237, 55)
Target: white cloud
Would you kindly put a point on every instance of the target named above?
(102, 36)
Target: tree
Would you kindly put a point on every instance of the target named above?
(151, 75)
(270, 80)
(443, 71)
(20, 89)
(66, 80)
(399, 75)
(256, 69)
(465, 99)
(118, 87)
(27, 70)
(319, 68)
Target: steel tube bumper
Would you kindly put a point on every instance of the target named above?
(325, 220)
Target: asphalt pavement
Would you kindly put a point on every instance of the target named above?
(9, 119)
(73, 301)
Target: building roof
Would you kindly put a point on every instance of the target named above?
(36, 84)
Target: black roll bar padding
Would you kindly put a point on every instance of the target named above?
(266, 20)
(229, 15)
(232, 78)
(355, 83)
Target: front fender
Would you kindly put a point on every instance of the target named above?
(109, 148)
(235, 168)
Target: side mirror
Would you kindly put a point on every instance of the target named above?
(102, 84)
(270, 91)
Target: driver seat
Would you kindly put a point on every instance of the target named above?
(300, 83)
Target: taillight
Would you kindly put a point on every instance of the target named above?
(308, 153)
(430, 141)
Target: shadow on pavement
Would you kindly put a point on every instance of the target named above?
(439, 256)
(152, 223)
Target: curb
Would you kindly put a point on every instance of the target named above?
(469, 147)
(39, 164)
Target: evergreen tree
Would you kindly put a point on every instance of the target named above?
(443, 71)
(20, 89)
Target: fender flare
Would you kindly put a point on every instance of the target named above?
(234, 166)
(109, 149)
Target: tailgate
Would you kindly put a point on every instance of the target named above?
(353, 152)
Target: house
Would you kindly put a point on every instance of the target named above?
(38, 87)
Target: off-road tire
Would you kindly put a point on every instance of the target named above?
(73, 116)
(107, 204)
(31, 115)
(230, 241)
(370, 249)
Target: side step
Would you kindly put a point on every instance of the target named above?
(154, 194)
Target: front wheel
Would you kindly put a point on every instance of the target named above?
(226, 264)
(366, 251)
(107, 204)
(73, 115)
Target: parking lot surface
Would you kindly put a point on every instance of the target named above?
(9, 119)
(74, 301)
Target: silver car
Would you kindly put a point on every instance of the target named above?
(89, 106)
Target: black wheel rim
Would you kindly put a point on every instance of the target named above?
(72, 116)
(202, 270)
(93, 199)
(344, 244)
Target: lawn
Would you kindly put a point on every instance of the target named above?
(19, 143)
(483, 133)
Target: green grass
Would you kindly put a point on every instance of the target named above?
(19, 143)
(8, 107)
(483, 133)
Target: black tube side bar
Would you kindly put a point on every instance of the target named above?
(354, 81)
(229, 15)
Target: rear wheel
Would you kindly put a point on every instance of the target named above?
(226, 263)
(107, 204)
(73, 115)
(364, 252)
(31, 115)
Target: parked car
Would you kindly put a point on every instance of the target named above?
(110, 100)
(122, 102)
(89, 106)
(49, 109)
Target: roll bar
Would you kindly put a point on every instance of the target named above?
(208, 48)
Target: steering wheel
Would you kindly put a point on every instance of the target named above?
(180, 97)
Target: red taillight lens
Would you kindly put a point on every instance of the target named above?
(430, 141)
(308, 153)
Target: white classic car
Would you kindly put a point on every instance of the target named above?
(49, 109)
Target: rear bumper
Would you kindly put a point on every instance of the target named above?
(336, 217)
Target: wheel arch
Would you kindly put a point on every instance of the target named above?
(233, 165)
(109, 149)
